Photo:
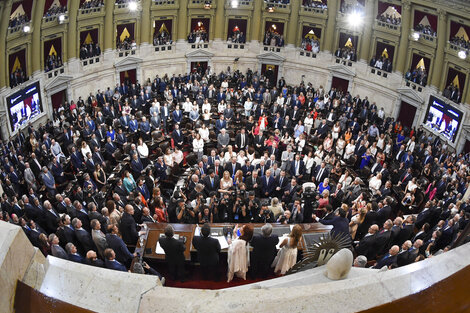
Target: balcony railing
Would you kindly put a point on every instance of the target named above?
(316, 10)
(55, 72)
(90, 61)
(164, 2)
(280, 5)
(90, 10)
(307, 54)
(125, 53)
(161, 48)
(12, 30)
(53, 18)
(201, 45)
(272, 49)
(386, 25)
(235, 45)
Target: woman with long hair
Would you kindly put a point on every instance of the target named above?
(237, 256)
(287, 255)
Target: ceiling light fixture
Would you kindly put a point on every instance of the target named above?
(415, 36)
(61, 18)
(133, 6)
(234, 4)
(26, 28)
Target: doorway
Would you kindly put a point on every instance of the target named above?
(199, 67)
(128, 77)
(407, 114)
(270, 71)
(58, 99)
(340, 84)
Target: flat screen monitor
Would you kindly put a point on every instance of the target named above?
(443, 119)
(24, 105)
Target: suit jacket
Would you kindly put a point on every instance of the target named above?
(174, 250)
(387, 260)
(115, 265)
(267, 186)
(208, 185)
(365, 246)
(99, 239)
(117, 244)
(324, 175)
(250, 184)
(128, 229)
(405, 234)
(51, 221)
(301, 168)
(177, 138)
(383, 214)
(59, 252)
(264, 251)
(208, 250)
(382, 241)
(340, 225)
(84, 240)
(76, 258)
(238, 141)
(229, 168)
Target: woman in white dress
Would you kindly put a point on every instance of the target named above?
(206, 106)
(308, 162)
(308, 123)
(340, 144)
(229, 154)
(373, 149)
(85, 149)
(238, 256)
(248, 106)
(300, 142)
(143, 151)
(198, 146)
(388, 147)
(381, 142)
(345, 180)
(241, 158)
(287, 255)
(178, 156)
(204, 132)
(318, 155)
(168, 160)
(221, 107)
(349, 151)
(336, 130)
(226, 183)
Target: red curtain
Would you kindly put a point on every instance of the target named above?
(383, 6)
(93, 34)
(58, 99)
(49, 3)
(27, 6)
(307, 29)
(57, 43)
(130, 29)
(343, 39)
(168, 25)
(21, 55)
(407, 114)
(420, 15)
(279, 27)
(417, 58)
(340, 84)
(451, 76)
(380, 49)
(128, 76)
(454, 28)
(235, 22)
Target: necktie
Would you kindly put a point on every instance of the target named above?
(212, 182)
(319, 174)
(280, 181)
(404, 178)
(243, 141)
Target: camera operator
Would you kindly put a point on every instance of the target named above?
(265, 215)
(198, 203)
(185, 214)
(206, 215)
(225, 208)
(241, 213)
(297, 212)
(253, 204)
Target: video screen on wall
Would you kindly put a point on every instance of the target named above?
(24, 105)
(443, 119)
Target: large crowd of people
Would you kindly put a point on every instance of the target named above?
(460, 41)
(311, 44)
(347, 53)
(126, 44)
(382, 63)
(82, 185)
(389, 19)
(453, 93)
(198, 36)
(315, 4)
(18, 21)
(425, 29)
(17, 77)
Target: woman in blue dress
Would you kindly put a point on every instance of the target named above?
(365, 159)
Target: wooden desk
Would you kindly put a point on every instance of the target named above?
(187, 230)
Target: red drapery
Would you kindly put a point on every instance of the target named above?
(340, 84)
(128, 76)
(380, 50)
(452, 73)
(420, 15)
(58, 99)
(168, 25)
(27, 6)
(383, 6)
(407, 114)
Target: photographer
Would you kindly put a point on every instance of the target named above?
(225, 208)
(297, 212)
(253, 204)
(185, 214)
(241, 213)
(265, 215)
(205, 216)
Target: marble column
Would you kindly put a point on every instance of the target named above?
(36, 15)
(109, 31)
(72, 33)
(333, 8)
(438, 66)
(256, 21)
(369, 20)
(293, 24)
(219, 20)
(183, 20)
(4, 76)
(145, 24)
(405, 34)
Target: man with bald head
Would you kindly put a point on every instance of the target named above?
(128, 226)
(388, 259)
(365, 246)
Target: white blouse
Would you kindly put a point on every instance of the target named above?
(143, 150)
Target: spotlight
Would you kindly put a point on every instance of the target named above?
(234, 4)
(26, 28)
(462, 54)
(415, 36)
(133, 6)
(61, 18)
(355, 18)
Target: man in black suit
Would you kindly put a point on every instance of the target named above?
(51, 218)
(264, 251)
(208, 250)
(177, 137)
(281, 182)
(73, 254)
(365, 246)
(174, 253)
(233, 166)
(83, 237)
(111, 262)
(389, 259)
(320, 173)
(253, 183)
(340, 223)
(123, 255)
(128, 226)
(384, 213)
(382, 240)
(241, 140)
(211, 182)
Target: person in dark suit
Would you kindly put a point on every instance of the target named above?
(128, 226)
(382, 240)
(233, 166)
(57, 250)
(208, 250)
(51, 218)
(320, 173)
(253, 183)
(340, 223)
(264, 251)
(241, 140)
(297, 167)
(111, 261)
(267, 184)
(83, 237)
(405, 232)
(384, 213)
(211, 181)
(73, 254)
(174, 253)
(365, 246)
(123, 255)
(177, 136)
(389, 259)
